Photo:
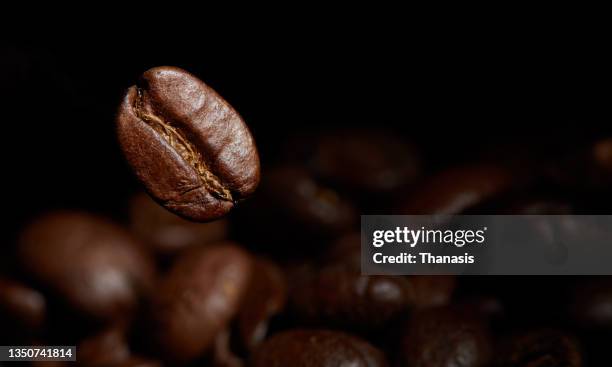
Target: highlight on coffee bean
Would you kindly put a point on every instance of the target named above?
(297, 205)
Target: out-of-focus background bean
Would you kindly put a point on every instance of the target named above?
(344, 127)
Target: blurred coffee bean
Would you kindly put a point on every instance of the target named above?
(527, 201)
(444, 337)
(291, 199)
(334, 292)
(186, 144)
(431, 290)
(489, 308)
(590, 303)
(365, 161)
(422, 290)
(340, 296)
(265, 297)
(21, 306)
(540, 207)
(92, 264)
(541, 348)
(167, 233)
(457, 189)
(197, 298)
(223, 356)
(316, 348)
(346, 249)
(583, 168)
(106, 348)
(311, 205)
(598, 175)
(602, 154)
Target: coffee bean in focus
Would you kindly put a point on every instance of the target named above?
(186, 144)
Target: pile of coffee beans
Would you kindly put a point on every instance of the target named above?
(211, 267)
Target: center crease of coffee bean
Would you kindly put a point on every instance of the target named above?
(183, 147)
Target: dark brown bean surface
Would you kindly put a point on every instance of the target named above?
(197, 299)
(431, 290)
(419, 291)
(457, 189)
(187, 145)
(316, 348)
(21, 305)
(346, 250)
(541, 348)
(295, 196)
(109, 347)
(442, 337)
(265, 297)
(489, 308)
(223, 355)
(365, 161)
(602, 154)
(340, 296)
(166, 233)
(92, 264)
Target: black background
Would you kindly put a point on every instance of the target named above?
(450, 95)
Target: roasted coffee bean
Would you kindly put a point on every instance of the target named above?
(265, 297)
(21, 305)
(223, 355)
(188, 146)
(334, 292)
(602, 155)
(541, 348)
(298, 197)
(197, 299)
(443, 337)
(539, 207)
(455, 190)
(582, 168)
(420, 291)
(316, 348)
(93, 265)
(340, 296)
(430, 290)
(346, 250)
(489, 308)
(108, 347)
(166, 233)
(365, 161)
(300, 207)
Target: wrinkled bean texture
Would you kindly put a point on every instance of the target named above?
(186, 144)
